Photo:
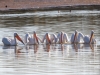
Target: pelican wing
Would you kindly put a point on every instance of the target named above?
(6, 41)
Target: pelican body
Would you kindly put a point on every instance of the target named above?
(77, 36)
(49, 39)
(31, 39)
(90, 39)
(62, 37)
(10, 41)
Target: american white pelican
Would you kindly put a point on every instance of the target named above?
(76, 38)
(65, 38)
(53, 38)
(31, 39)
(49, 38)
(62, 38)
(89, 39)
(46, 38)
(11, 42)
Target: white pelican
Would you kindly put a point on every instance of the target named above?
(53, 38)
(89, 39)
(76, 38)
(49, 39)
(11, 42)
(31, 39)
(62, 38)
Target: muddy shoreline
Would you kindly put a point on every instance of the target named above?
(47, 5)
(69, 8)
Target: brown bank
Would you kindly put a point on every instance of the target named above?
(6, 5)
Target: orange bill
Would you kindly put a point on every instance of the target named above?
(19, 39)
(92, 35)
(48, 39)
(61, 37)
(36, 37)
(75, 36)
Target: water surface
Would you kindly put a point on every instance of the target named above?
(53, 59)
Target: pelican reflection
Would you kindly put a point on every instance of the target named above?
(64, 49)
(12, 50)
(31, 48)
(80, 47)
(46, 47)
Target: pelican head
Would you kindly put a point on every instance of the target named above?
(34, 33)
(17, 36)
(27, 37)
(92, 32)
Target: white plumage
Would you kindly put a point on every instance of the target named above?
(11, 41)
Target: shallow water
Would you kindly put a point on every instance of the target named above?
(80, 59)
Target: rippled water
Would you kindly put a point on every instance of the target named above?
(65, 59)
